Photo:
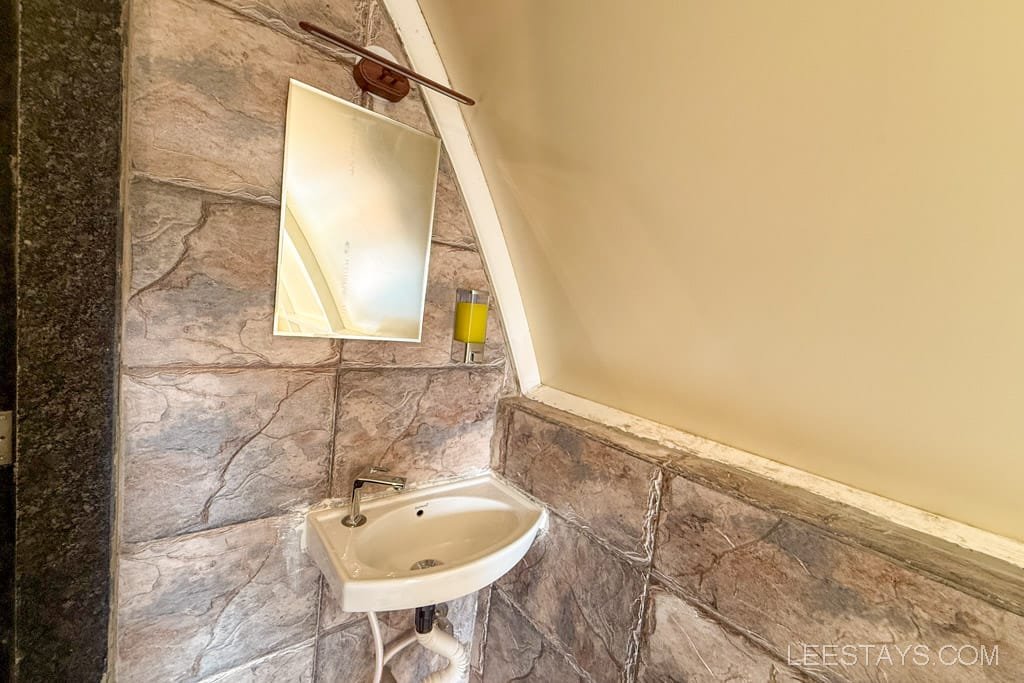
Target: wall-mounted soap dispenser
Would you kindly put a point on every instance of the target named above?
(470, 325)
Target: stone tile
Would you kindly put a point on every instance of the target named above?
(205, 449)
(580, 594)
(422, 424)
(450, 269)
(192, 606)
(202, 283)
(345, 656)
(516, 651)
(451, 220)
(332, 616)
(347, 19)
(209, 111)
(643, 449)
(698, 526)
(791, 585)
(294, 664)
(600, 487)
(985, 577)
(683, 644)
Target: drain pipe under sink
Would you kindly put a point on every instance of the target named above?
(436, 640)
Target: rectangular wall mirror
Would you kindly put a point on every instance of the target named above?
(357, 207)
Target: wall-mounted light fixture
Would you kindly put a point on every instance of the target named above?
(379, 75)
(470, 325)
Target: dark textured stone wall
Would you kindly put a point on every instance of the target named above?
(8, 99)
(8, 96)
(67, 298)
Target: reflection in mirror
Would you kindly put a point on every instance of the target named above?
(357, 204)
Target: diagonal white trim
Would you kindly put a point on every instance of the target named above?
(958, 533)
(424, 58)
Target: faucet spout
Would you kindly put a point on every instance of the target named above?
(371, 475)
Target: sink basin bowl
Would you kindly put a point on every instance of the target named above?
(425, 546)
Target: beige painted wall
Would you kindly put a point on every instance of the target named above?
(794, 227)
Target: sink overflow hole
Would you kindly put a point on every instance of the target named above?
(419, 513)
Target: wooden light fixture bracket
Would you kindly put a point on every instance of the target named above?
(381, 81)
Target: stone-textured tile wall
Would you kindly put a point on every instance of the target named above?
(227, 432)
(662, 566)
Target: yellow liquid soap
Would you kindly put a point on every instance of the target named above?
(470, 322)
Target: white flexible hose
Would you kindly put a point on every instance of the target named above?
(399, 644)
(443, 644)
(378, 647)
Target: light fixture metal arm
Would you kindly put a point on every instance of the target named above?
(387, 63)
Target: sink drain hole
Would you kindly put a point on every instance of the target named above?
(425, 564)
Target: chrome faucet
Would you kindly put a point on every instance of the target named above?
(371, 475)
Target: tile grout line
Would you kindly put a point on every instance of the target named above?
(220, 675)
(483, 367)
(486, 623)
(651, 523)
(194, 186)
(316, 626)
(504, 418)
(291, 513)
(455, 245)
(653, 517)
(147, 370)
(332, 441)
(631, 668)
(330, 483)
(344, 626)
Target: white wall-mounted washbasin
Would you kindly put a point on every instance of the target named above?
(424, 546)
